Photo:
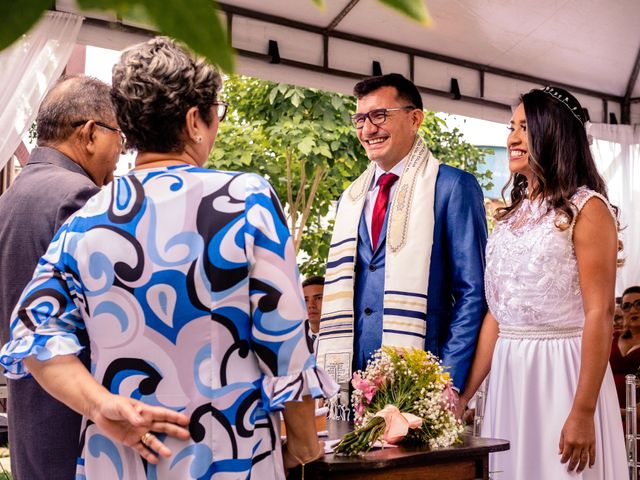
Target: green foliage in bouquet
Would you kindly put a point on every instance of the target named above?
(415, 382)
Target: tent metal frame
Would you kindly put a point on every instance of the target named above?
(272, 55)
(330, 31)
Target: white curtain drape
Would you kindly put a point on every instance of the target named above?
(616, 149)
(28, 69)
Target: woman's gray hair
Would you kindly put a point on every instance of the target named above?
(154, 85)
(72, 98)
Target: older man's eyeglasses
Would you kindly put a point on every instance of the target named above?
(376, 117)
(627, 306)
(221, 110)
(123, 139)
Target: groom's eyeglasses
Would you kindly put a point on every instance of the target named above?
(376, 117)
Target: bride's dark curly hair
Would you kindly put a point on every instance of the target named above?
(559, 155)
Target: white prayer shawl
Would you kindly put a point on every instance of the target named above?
(409, 239)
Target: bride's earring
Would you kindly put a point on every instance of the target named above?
(198, 139)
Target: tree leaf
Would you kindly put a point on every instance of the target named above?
(306, 145)
(197, 24)
(272, 95)
(18, 19)
(414, 9)
(245, 157)
(323, 149)
(138, 13)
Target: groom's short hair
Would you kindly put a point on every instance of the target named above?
(405, 87)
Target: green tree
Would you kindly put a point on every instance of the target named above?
(302, 141)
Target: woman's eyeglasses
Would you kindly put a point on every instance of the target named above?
(221, 110)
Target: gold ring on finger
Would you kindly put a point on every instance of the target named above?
(146, 438)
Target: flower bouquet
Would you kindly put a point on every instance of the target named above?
(402, 395)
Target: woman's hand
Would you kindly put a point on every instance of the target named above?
(126, 420)
(578, 441)
(122, 419)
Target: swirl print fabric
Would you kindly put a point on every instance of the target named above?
(186, 282)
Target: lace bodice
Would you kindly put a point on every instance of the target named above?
(531, 277)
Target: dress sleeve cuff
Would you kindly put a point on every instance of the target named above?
(43, 347)
(312, 381)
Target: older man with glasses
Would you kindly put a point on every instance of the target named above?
(78, 147)
(414, 233)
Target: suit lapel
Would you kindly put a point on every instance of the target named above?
(363, 232)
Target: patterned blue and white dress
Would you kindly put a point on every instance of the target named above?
(186, 282)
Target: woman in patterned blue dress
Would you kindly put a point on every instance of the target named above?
(186, 282)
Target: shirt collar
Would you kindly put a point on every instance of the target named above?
(55, 157)
(397, 170)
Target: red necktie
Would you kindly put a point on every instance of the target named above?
(385, 182)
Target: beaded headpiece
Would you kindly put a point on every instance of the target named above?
(567, 100)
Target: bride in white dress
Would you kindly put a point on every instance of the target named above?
(550, 276)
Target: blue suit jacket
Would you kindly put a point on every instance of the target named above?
(456, 303)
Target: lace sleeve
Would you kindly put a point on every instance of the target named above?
(580, 199)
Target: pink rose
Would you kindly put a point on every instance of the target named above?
(370, 392)
(367, 388)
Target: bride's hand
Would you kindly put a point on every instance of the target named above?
(578, 441)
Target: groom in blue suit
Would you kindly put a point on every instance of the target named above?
(389, 114)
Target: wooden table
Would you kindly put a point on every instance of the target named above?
(467, 461)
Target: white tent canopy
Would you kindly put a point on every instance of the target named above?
(493, 49)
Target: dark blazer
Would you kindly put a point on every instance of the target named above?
(455, 303)
(43, 433)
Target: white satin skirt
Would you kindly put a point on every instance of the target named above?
(531, 389)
